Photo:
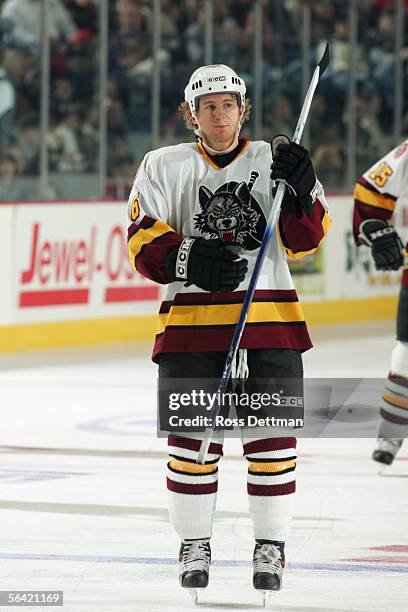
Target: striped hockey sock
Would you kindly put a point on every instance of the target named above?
(271, 486)
(394, 407)
(192, 487)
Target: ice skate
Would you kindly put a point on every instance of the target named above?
(268, 564)
(385, 451)
(195, 558)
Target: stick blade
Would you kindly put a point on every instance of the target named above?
(324, 62)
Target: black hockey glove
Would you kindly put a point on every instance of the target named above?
(210, 264)
(386, 246)
(292, 164)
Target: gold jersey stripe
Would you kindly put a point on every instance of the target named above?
(192, 468)
(146, 236)
(208, 159)
(271, 467)
(370, 198)
(326, 223)
(396, 400)
(228, 314)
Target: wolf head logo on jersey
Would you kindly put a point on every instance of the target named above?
(232, 214)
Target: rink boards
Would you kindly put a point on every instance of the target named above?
(67, 280)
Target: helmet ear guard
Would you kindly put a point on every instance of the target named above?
(215, 78)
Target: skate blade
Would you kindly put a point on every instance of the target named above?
(382, 468)
(265, 595)
(194, 593)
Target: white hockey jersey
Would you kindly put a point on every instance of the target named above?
(181, 191)
(377, 190)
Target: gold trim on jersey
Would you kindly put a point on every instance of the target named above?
(255, 466)
(326, 223)
(146, 236)
(228, 314)
(208, 159)
(371, 198)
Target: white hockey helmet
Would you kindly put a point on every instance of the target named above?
(216, 78)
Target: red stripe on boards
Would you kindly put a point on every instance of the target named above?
(57, 297)
(131, 294)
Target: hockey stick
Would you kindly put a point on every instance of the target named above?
(272, 220)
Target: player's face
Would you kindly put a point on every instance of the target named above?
(219, 116)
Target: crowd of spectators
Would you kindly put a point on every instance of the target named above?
(74, 106)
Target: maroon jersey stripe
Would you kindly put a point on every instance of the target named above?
(228, 297)
(151, 261)
(365, 211)
(302, 234)
(256, 336)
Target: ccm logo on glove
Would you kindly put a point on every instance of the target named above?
(182, 258)
(211, 265)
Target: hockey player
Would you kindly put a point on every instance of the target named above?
(191, 206)
(375, 197)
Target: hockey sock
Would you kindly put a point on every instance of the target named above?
(271, 486)
(192, 488)
(394, 408)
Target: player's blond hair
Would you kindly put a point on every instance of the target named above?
(184, 110)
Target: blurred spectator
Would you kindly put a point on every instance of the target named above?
(194, 38)
(29, 139)
(121, 176)
(62, 95)
(381, 41)
(7, 103)
(69, 156)
(329, 159)
(279, 117)
(10, 190)
(88, 138)
(85, 16)
(15, 153)
(371, 138)
(21, 24)
(118, 150)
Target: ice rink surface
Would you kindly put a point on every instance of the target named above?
(84, 505)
